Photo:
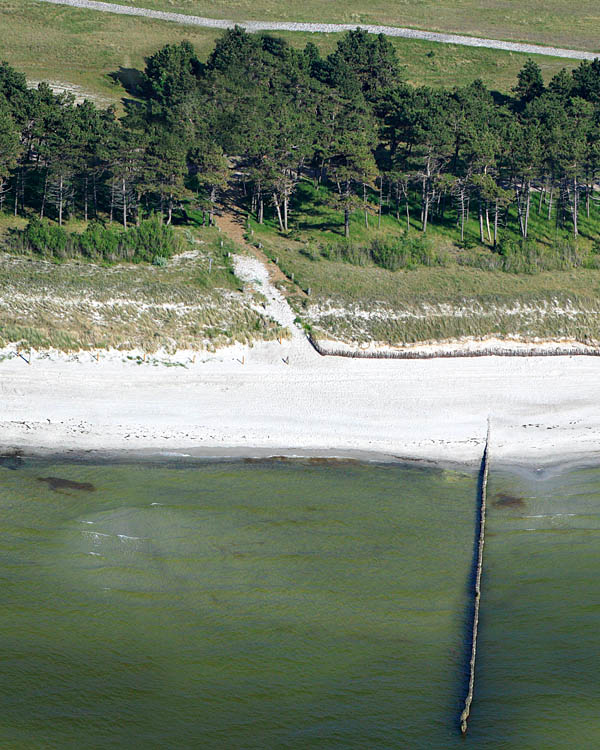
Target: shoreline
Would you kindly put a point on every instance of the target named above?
(541, 469)
(249, 401)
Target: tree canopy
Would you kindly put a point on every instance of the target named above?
(259, 116)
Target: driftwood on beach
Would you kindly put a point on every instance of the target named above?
(464, 717)
(559, 351)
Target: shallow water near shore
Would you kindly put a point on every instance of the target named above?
(276, 604)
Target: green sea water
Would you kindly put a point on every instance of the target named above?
(294, 605)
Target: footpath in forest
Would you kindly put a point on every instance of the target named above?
(329, 28)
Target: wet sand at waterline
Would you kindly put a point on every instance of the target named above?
(281, 604)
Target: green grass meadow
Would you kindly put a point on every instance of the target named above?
(83, 48)
(551, 22)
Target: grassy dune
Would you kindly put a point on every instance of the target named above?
(82, 48)
(80, 305)
(552, 22)
(366, 302)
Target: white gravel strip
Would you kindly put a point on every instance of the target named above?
(329, 28)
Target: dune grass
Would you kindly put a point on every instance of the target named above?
(191, 303)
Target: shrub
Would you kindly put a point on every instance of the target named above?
(149, 241)
(45, 239)
(99, 241)
(406, 251)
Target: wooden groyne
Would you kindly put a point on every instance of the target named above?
(464, 717)
(559, 351)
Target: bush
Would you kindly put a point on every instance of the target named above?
(148, 242)
(45, 239)
(526, 256)
(407, 251)
(99, 241)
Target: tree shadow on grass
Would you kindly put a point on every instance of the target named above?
(131, 79)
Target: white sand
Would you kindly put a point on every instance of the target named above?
(437, 409)
(541, 409)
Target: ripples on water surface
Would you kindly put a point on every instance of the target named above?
(288, 605)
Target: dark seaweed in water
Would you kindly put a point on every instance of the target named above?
(56, 484)
(504, 500)
(304, 460)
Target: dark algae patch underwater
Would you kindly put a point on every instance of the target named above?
(282, 604)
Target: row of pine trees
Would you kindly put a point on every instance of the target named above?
(259, 116)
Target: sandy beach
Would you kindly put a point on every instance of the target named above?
(541, 408)
(285, 398)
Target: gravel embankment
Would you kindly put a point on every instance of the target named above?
(328, 28)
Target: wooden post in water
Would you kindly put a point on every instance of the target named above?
(464, 717)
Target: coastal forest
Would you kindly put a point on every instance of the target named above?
(289, 134)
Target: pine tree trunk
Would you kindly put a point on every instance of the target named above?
(496, 211)
(60, 201)
(365, 205)
(261, 210)
(346, 222)
(85, 198)
(407, 215)
(95, 192)
(481, 237)
(285, 213)
(425, 211)
(575, 208)
(22, 191)
(112, 200)
(43, 206)
(279, 219)
(124, 197)
(550, 202)
(559, 205)
(487, 222)
(17, 194)
(587, 199)
(213, 200)
(527, 204)
(380, 202)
